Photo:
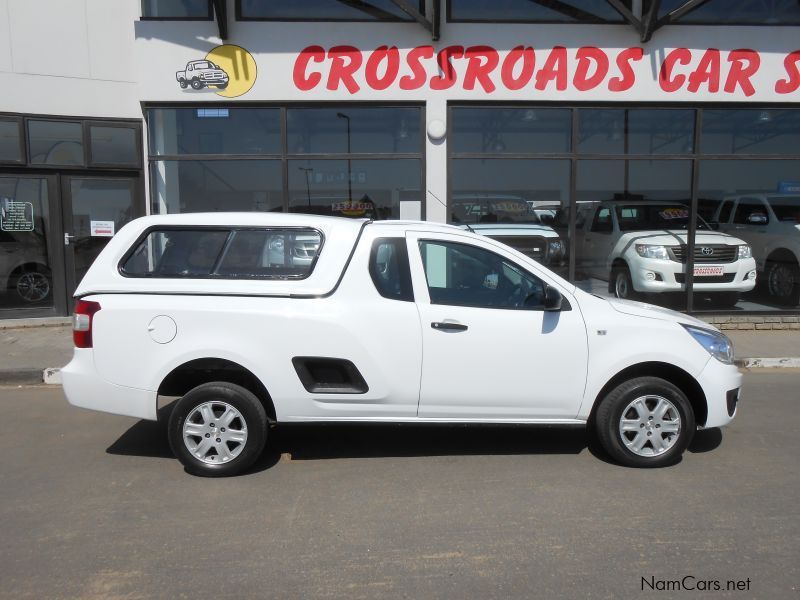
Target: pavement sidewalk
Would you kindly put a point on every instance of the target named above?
(36, 351)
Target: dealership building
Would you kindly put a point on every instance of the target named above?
(644, 148)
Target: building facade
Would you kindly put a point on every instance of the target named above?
(644, 149)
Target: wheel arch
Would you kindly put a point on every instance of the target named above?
(198, 371)
(782, 254)
(675, 375)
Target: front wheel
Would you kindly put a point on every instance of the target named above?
(197, 84)
(623, 285)
(645, 422)
(218, 429)
(32, 286)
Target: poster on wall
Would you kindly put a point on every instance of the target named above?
(16, 216)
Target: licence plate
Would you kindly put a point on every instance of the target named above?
(708, 271)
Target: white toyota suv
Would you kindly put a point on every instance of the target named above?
(639, 247)
(770, 223)
(390, 322)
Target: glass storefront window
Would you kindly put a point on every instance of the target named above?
(249, 131)
(26, 279)
(221, 185)
(323, 10)
(116, 146)
(353, 130)
(516, 201)
(660, 131)
(372, 189)
(10, 146)
(601, 131)
(567, 11)
(176, 9)
(55, 142)
(750, 131)
(757, 12)
(490, 130)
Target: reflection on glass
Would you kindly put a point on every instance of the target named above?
(55, 143)
(758, 202)
(216, 186)
(567, 11)
(352, 129)
(374, 189)
(25, 274)
(737, 11)
(176, 9)
(601, 131)
(114, 146)
(660, 131)
(328, 10)
(10, 148)
(751, 131)
(515, 201)
(99, 208)
(214, 131)
(497, 130)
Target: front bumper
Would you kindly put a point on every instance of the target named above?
(85, 388)
(721, 385)
(654, 275)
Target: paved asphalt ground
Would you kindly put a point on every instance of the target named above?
(93, 506)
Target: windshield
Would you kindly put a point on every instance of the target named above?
(203, 65)
(646, 217)
(493, 210)
(786, 208)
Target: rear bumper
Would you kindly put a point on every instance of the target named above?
(721, 384)
(84, 388)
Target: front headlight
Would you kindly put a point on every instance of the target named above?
(648, 251)
(717, 344)
(745, 251)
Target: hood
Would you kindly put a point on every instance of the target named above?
(650, 311)
(673, 237)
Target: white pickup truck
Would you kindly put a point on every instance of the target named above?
(389, 321)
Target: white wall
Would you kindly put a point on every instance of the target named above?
(69, 57)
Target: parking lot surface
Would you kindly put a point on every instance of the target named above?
(94, 506)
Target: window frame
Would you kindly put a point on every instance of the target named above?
(449, 19)
(138, 142)
(401, 245)
(241, 17)
(231, 229)
(21, 140)
(209, 17)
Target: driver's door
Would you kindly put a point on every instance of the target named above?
(489, 349)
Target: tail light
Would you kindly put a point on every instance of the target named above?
(82, 318)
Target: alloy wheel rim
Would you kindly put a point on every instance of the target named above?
(621, 286)
(780, 281)
(215, 432)
(33, 287)
(650, 425)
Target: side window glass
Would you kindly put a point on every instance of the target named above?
(750, 211)
(389, 269)
(602, 221)
(464, 275)
(725, 211)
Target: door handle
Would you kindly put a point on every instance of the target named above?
(68, 238)
(444, 326)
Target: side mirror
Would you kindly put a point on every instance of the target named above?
(756, 219)
(552, 299)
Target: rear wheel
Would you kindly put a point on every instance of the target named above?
(183, 83)
(645, 422)
(783, 281)
(218, 429)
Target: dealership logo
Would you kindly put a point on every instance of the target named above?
(227, 70)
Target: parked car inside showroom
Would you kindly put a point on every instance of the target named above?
(24, 274)
(639, 247)
(391, 322)
(770, 224)
(512, 220)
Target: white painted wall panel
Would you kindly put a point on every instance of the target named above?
(112, 38)
(5, 41)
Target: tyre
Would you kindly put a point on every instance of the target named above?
(725, 299)
(32, 286)
(183, 83)
(197, 84)
(645, 422)
(218, 429)
(782, 279)
(222, 86)
(623, 285)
